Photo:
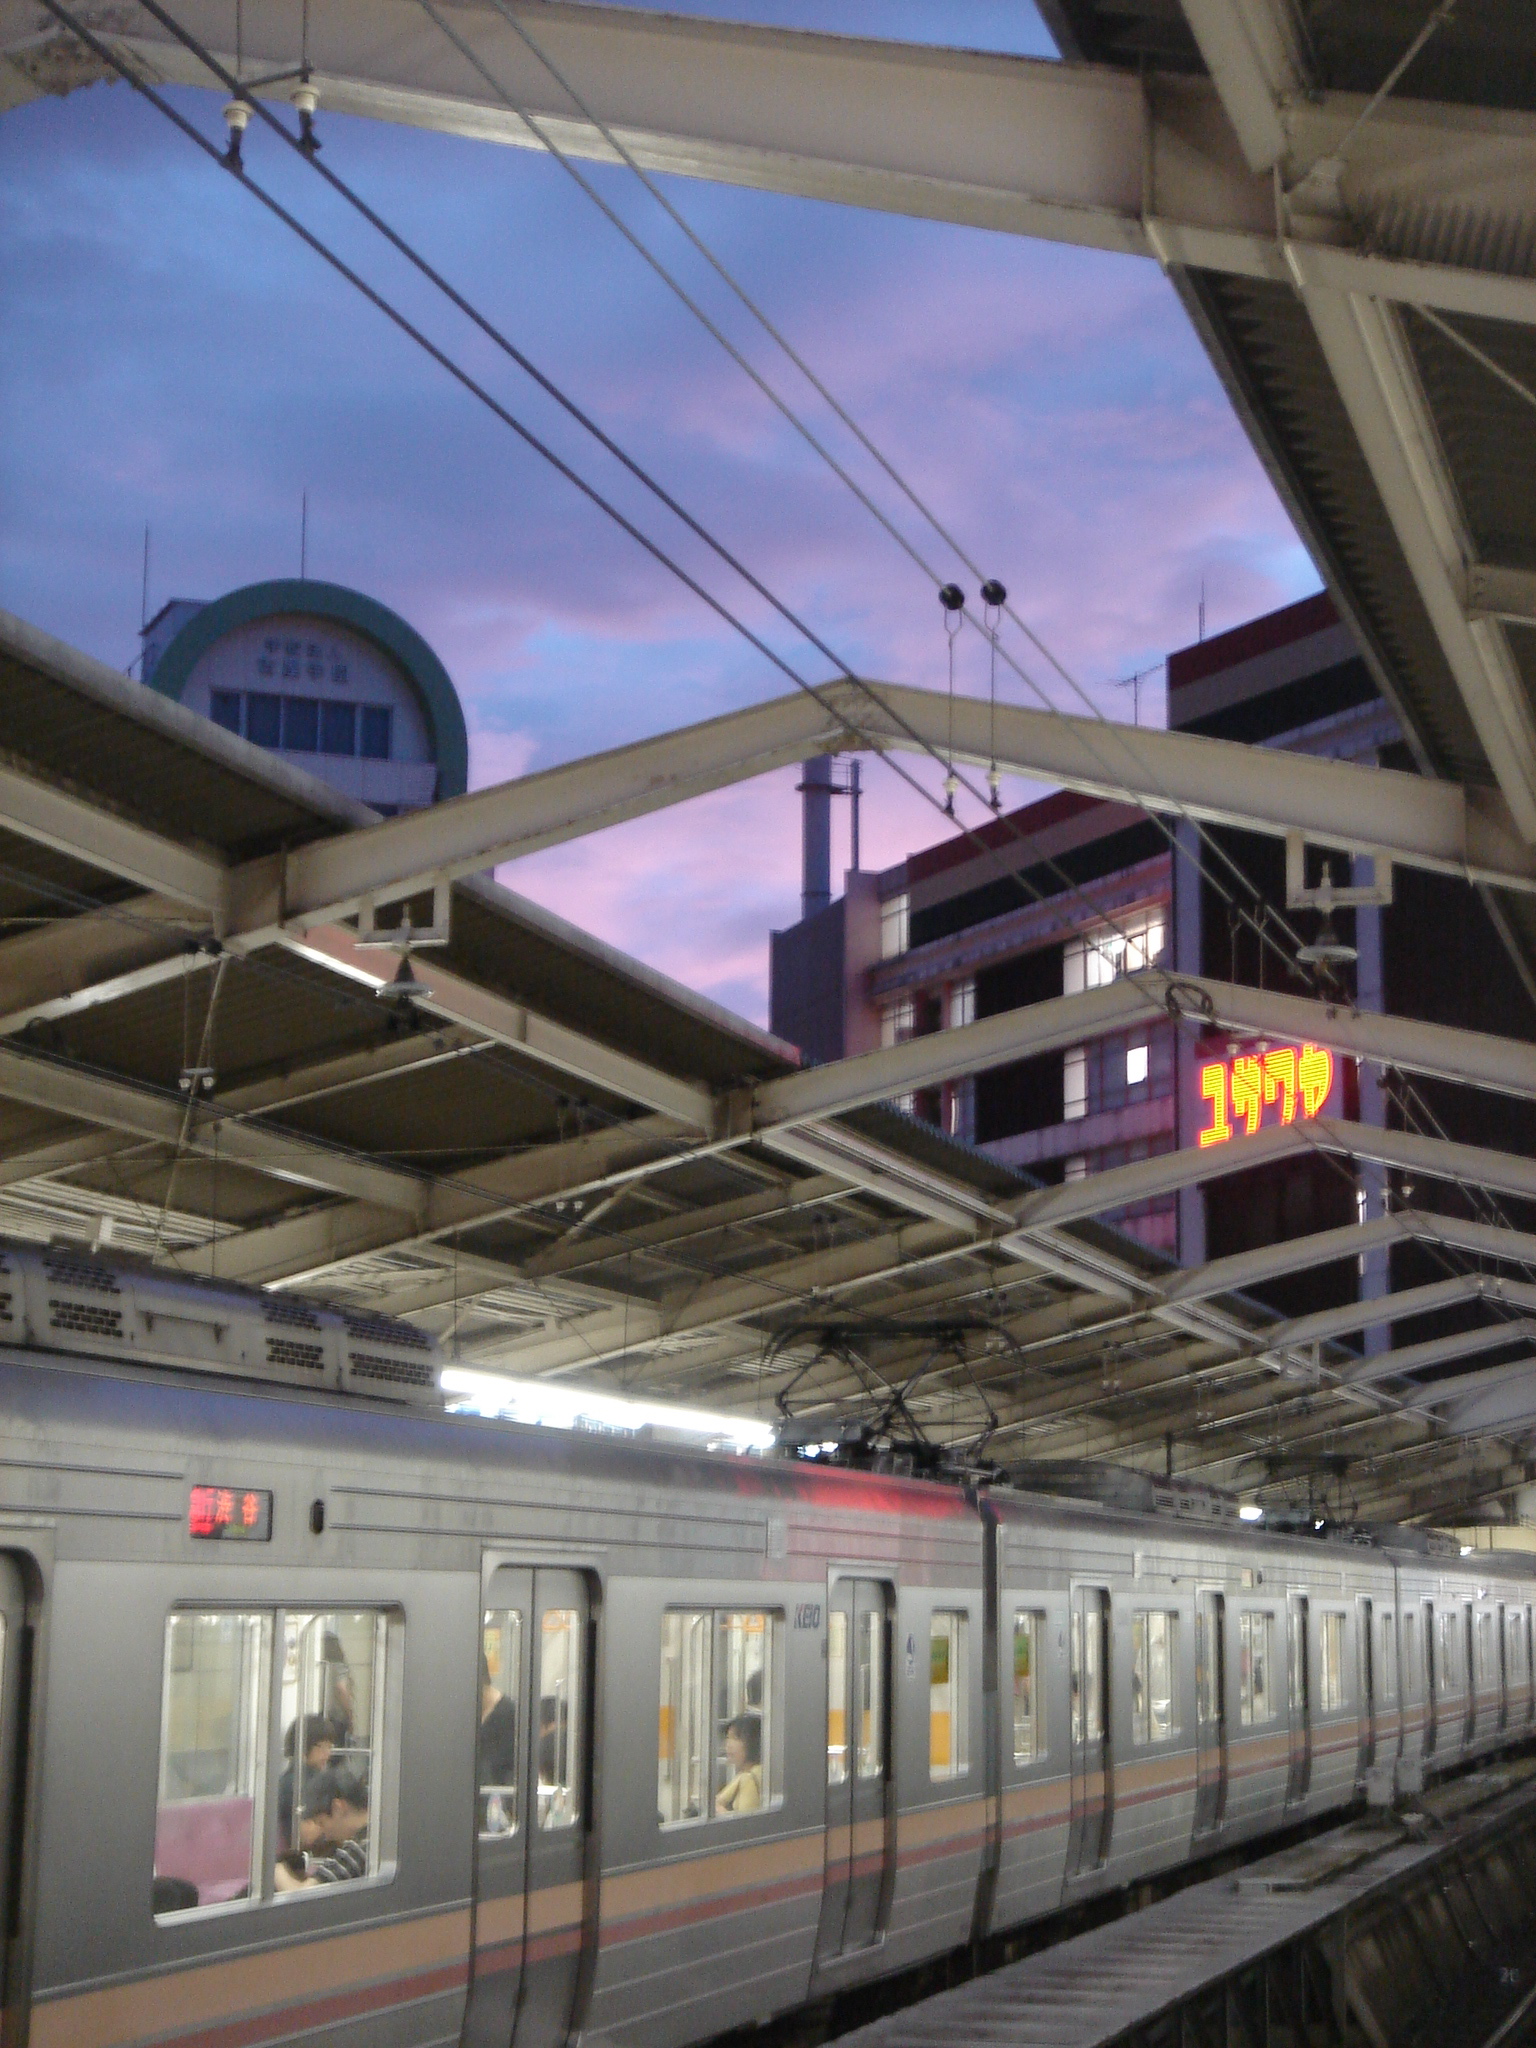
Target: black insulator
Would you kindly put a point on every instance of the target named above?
(952, 597)
(993, 592)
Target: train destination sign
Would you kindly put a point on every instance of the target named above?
(231, 1514)
(1282, 1084)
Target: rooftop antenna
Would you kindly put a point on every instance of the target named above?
(1202, 607)
(854, 793)
(304, 535)
(144, 583)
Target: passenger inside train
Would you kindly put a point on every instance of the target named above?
(314, 1746)
(339, 1806)
(744, 1756)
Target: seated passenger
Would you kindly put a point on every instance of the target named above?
(339, 1811)
(315, 1739)
(744, 1753)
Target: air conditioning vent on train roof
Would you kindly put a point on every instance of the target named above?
(122, 1308)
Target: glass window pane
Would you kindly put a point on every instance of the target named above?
(948, 1735)
(682, 1769)
(837, 1697)
(1154, 1715)
(741, 1672)
(224, 709)
(333, 1667)
(1386, 1665)
(338, 728)
(1093, 1674)
(213, 1745)
(868, 1703)
(373, 738)
(559, 1652)
(1330, 1689)
(1028, 1698)
(263, 718)
(496, 1765)
(301, 725)
(1255, 1698)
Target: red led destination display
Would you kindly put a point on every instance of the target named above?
(231, 1514)
(1283, 1084)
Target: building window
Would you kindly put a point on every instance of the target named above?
(264, 718)
(1028, 1694)
(1330, 1664)
(962, 1004)
(1255, 1696)
(1075, 1168)
(338, 728)
(301, 725)
(948, 1736)
(374, 737)
(1074, 1083)
(898, 1021)
(895, 925)
(224, 709)
(1098, 956)
(1135, 1065)
(1154, 1665)
(720, 1743)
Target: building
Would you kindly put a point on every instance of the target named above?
(1071, 891)
(329, 678)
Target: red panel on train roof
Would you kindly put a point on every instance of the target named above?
(873, 1492)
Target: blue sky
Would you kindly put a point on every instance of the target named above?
(173, 355)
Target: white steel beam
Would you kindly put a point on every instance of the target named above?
(1418, 822)
(69, 824)
(1412, 1358)
(145, 1113)
(1074, 153)
(1329, 1323)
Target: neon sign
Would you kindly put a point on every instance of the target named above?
(1295, 1080)
(242, 1514)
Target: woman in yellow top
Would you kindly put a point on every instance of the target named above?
(744, 1753)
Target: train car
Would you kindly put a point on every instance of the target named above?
(328, 1715)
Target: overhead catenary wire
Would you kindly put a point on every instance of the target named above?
(540, 131)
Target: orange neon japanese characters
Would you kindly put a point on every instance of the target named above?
(1294, 1080)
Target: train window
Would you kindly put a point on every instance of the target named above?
(501, 1664)
(1486, 1664)
(1028, 1688)
(1154, 1665)
(333, 1666)
(559, 1651)
(870, 1677)
(1255, 1694)
(1410, 1656)
(1386, 1663)
(947, 1710)
(720, 1747)
(213, 1753)
(1087, 1679)
(837, 1692)
(1450, 1652)
(1330, 1663)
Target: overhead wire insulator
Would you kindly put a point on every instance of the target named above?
(237, 118)
(306, 99)
(994, 596)
(952, 598)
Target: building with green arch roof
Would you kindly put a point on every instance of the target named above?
(332, 680)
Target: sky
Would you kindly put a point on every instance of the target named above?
(174, 357)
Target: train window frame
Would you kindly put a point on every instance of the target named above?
(1332, 1696)
(1032, 1621)
(955, 1685)
(387, 1692)
(700, 1771)
(1145, 1729)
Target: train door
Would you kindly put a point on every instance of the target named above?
(1299, 1698)
(15, 1676)
(858, 1765)
(1088, 1843)
(1433, 1679)
(531, 1793)
(1210, 1711)
(1503, 1666)
(1364, 1617)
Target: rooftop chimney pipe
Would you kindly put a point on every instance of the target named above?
(816, 835)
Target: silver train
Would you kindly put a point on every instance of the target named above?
(330, 1716)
